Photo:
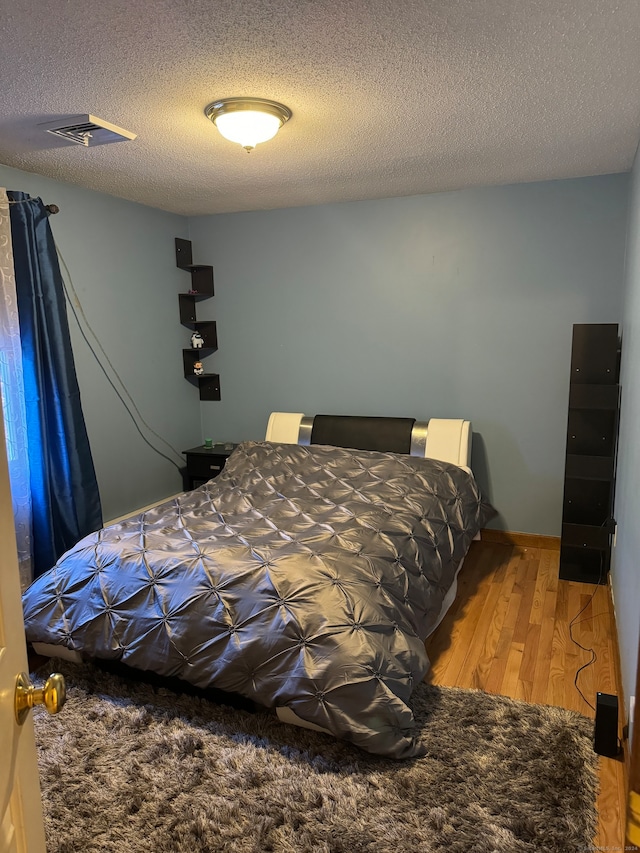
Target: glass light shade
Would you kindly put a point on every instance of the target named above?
(248, 127)
(247, 121)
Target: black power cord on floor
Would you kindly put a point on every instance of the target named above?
(590, 650)
(610, 524)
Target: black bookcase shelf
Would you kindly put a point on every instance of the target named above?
(201, 288)
(209, 385)
(590, 464)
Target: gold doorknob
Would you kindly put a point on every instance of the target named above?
(52, 695)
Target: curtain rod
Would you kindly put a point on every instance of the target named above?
(50, 208)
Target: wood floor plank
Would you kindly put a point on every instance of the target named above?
(510, 682)
(526, 603)
(557, 668)
(501, 562)
(509, 633)
(481, 641)
(539, 592)
(478, 564)
(449, 665)
(542, 669)
(552, 559)
(490, 645)
(610, 805)
(498, 664)
(531, 652)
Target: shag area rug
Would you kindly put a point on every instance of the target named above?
(129, 767)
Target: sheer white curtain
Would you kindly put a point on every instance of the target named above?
(12, 388)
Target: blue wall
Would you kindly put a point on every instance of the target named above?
(449, 305)
(625, 572)
(122, 263)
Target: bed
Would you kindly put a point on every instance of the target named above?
(305, 577)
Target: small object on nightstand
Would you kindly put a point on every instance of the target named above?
(229, 446)
(208, 442)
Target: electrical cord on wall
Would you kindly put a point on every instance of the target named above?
(74, 302)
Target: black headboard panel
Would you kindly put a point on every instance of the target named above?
(363, 433)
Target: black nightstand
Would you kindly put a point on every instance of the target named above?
(204, 463)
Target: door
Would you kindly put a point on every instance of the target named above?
(21, 828)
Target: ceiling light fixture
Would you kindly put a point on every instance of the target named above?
(247, 120)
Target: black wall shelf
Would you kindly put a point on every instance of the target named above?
(590, 465)
(201, 288)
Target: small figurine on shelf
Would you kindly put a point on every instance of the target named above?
(198, 369)
(193, 292)
(197, 341)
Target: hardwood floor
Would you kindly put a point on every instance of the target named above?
(508, 633)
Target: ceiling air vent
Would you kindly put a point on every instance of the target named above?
(87, 130)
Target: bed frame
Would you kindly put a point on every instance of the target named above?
(444, 439)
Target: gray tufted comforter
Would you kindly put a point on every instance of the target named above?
(305, 577)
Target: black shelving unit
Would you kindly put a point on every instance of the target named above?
(201, 288)
(590, 467)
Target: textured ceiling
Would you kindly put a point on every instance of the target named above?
(388, 98)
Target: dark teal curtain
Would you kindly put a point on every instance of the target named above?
(64, 489)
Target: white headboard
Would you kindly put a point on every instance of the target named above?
(446, 439)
